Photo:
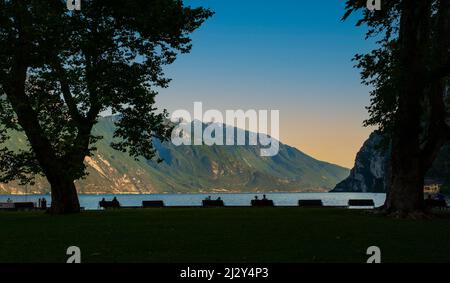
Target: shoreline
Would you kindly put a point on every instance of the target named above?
(202, 193)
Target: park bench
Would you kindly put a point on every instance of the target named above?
(310, 203)
(109, 204)
(361, 203)
(262, 203)
(24, 205)
(6, 205)
(434, 203)
(152, 203)
(213, 203)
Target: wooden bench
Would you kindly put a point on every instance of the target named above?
(213, 203)
(361, 203)
(310, 203)
(262, 203)
(109, 204)
(152, 203)
(23, 205)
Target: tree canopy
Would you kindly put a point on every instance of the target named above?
(409, 73)
(60, 69)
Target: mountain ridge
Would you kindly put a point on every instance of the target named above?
(194, 169)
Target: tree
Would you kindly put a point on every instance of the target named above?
(60, 69)
(409, 72)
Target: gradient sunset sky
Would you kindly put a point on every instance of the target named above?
(288, 55)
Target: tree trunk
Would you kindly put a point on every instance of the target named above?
(405, 195)
(64, 195)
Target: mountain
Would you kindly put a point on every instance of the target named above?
(195, 169)
(371, 170)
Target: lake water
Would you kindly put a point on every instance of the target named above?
(282, 199)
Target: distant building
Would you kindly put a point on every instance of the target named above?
(432, 186)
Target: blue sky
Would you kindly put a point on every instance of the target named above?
(289, 55)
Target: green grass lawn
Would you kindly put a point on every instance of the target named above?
(222, 235)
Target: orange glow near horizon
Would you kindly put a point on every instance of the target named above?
(331, 139)
(339, 150)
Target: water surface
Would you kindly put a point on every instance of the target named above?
(283, 199)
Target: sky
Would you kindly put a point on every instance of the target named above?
(288, 55)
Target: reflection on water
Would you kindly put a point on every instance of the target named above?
(282, 199)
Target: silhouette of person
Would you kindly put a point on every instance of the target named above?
(219, 198)
(44, 203)
(102, 202)
(256, 197)
(264, 197)
(115, 202)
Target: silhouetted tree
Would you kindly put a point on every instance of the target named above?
(60, 69)
(409, 72)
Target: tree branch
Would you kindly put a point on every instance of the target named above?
(65, 88)
(438, 131)
(83, 139)
(443, 39)
(15, 92)
(96, 106)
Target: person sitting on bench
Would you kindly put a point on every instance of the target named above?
(109, 204)
(263, 202)
(213, 203)
(440, 197)
(115, 202)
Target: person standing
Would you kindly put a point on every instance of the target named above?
(44, 204)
